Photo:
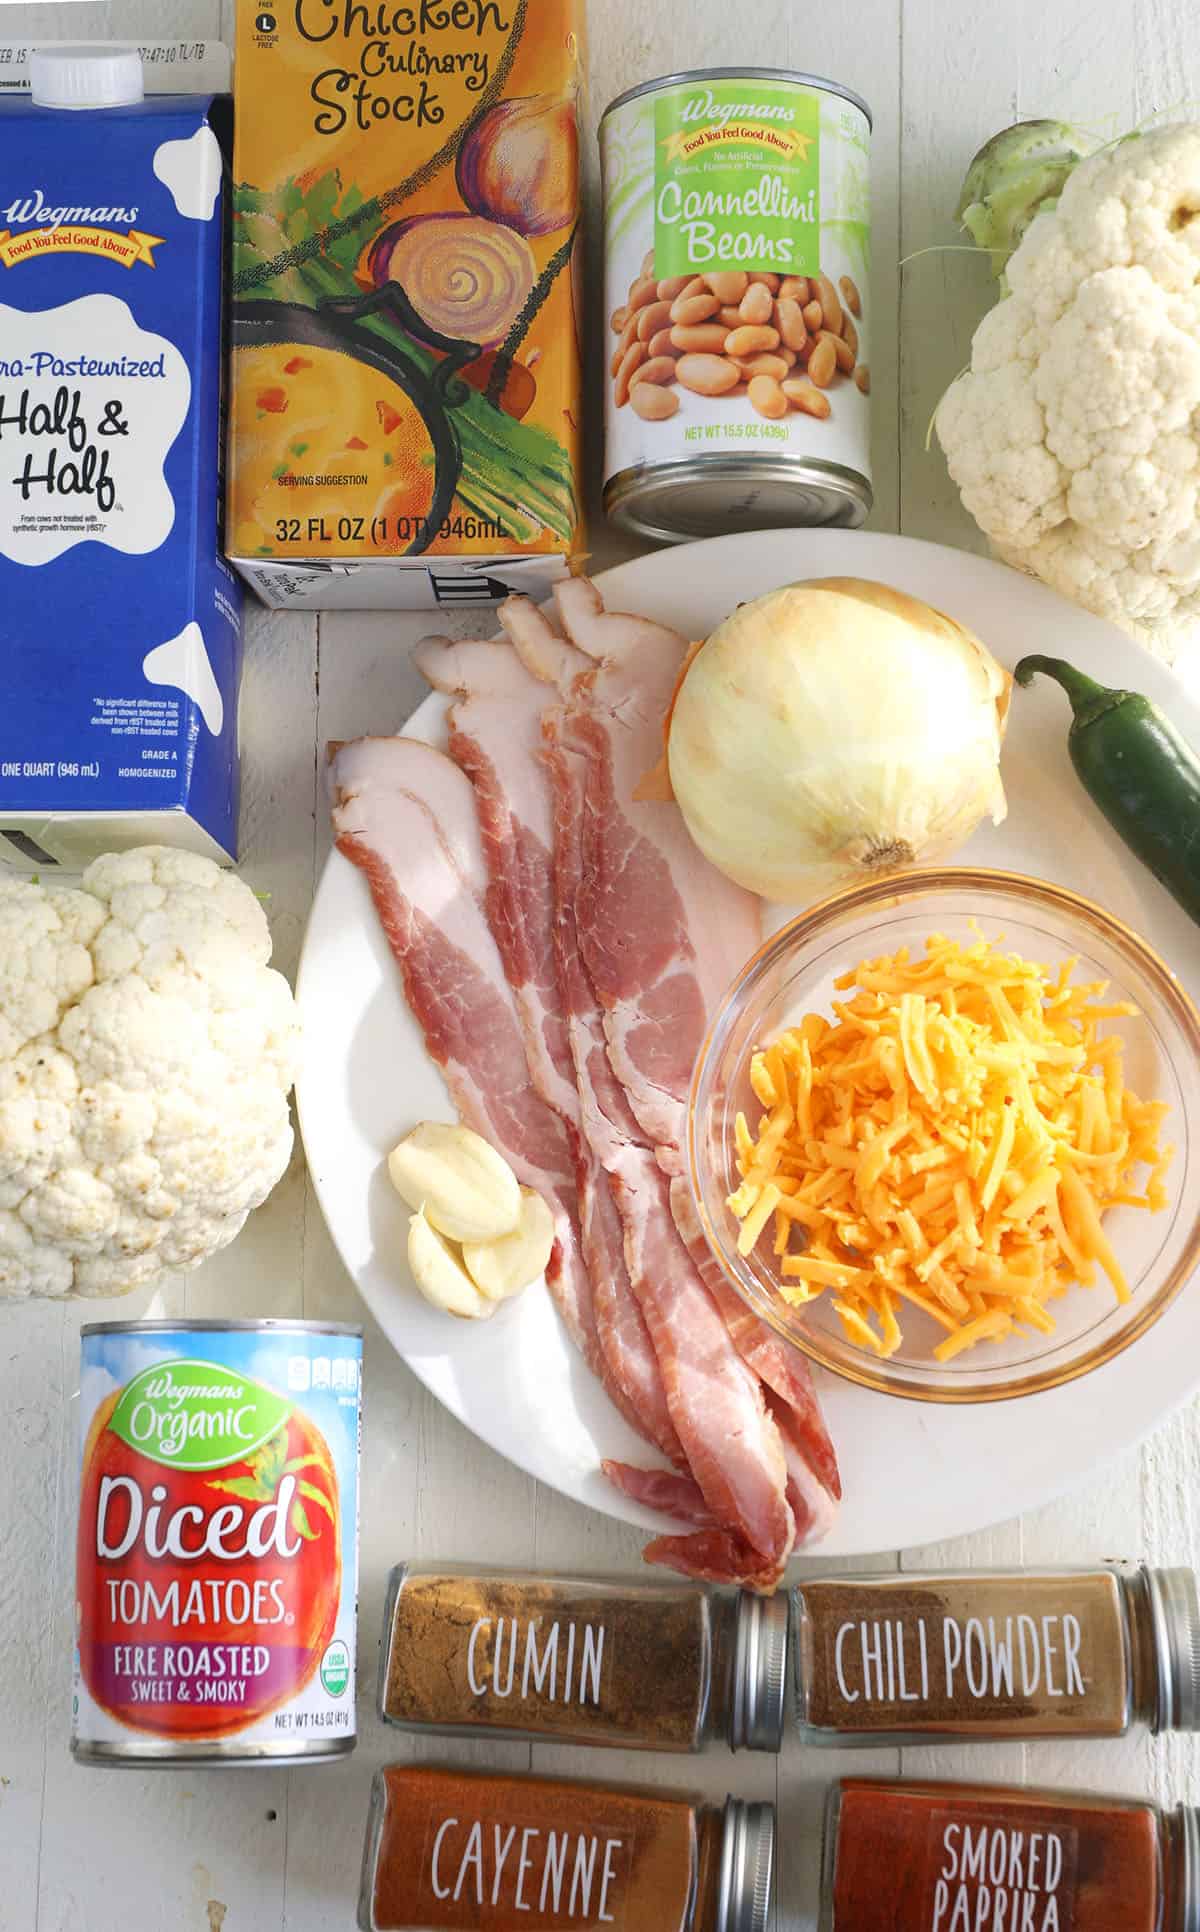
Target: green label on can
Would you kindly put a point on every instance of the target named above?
(737, 178)
(191, 1414)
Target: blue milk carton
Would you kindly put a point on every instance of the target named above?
(120, 624)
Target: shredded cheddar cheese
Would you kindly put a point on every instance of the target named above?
(951, 1139)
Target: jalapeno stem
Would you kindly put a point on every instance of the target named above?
(1087, 697)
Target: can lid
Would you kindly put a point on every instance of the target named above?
(88, 74)
(714, 495)
(795, 76)
(197, 1325)
(759, 1672)
(1175, 1612)
(747, 1866)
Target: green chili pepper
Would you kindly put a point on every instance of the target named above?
(1137, 768)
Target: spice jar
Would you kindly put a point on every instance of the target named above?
(650, 1666)
(491, 1853)
(1047, 1653)
(994, 1858)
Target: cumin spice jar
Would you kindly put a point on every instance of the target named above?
(995, 1858)
(476, 1852)
(1049, 1653)
(585, 1660)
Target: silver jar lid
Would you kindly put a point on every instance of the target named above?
(747, 1866)
(1185, 1916)
(1175, 1612)
(759, 1673)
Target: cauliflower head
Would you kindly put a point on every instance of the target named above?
(1074, 436)
(147, 1051)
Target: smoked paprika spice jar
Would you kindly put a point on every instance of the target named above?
(649, 1666)
(997, 1858)
(482, 1852)
(1065, 1653)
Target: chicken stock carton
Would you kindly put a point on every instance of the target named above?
(120, 621)
(405, 317)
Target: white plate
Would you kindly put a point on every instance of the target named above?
(516, 1382)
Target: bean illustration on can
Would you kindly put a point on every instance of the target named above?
(736, 252)
(216, 1556)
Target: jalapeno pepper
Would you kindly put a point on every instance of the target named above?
(1137, 768)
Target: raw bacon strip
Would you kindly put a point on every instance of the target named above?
(495, 737)
(405, 815)
(661, 1489)
(782, 1367)
(663, 933)
(716, 1555)
(733, 1447)
(579, 735)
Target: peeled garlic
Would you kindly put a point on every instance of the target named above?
(464, 1187)
(503, 1267)
(440, 1275)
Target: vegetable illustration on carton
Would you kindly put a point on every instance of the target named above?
(406, 362)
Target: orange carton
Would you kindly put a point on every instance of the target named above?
(404, 428)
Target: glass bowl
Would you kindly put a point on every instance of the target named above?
(793, 974)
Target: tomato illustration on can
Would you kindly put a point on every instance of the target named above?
(216, 1558)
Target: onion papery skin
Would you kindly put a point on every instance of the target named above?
(466, 276)
(833, 731)
(520, 164)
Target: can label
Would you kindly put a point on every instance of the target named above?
(216, 1560)
(710, 184)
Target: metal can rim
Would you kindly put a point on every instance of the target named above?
(795, 75)
(620, 488)
(193, 1325)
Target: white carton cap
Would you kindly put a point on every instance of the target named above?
(88, 75)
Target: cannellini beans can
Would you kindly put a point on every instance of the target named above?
(217, 1546)
(737, 254)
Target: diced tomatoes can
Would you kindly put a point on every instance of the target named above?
(737, 303)
(216, 1588)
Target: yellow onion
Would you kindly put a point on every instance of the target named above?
(832, 731)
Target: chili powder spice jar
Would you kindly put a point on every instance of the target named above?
(483, 1852)
(585, 1660)
(1047, 1653)
(996, 1858)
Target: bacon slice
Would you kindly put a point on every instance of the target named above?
(495, 738)
(782, 1367)
(405, 814)
(609, 729)
(733, 1446)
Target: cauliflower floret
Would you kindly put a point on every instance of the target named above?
(147, 1051)
(1074, 437)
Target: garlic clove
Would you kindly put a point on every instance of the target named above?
(503, 1267)
(440, 1276)
(464, 1187)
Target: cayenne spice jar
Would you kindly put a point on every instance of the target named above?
(1070, 1653)
(651, 1666)
(993, 1858)
(482, 1852)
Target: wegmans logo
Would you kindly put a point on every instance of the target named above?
(197, 1415)
(77, 230)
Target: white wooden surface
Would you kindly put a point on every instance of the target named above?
(84, 1851)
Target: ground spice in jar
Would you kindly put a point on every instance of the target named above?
(477, 1852)
(655, 1666)
(997, 1654)
(979, 1858)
